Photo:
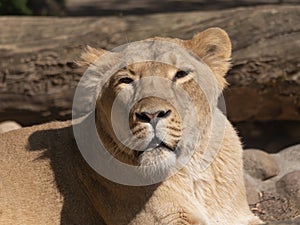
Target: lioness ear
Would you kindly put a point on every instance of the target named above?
(89, 56)
(213, 46)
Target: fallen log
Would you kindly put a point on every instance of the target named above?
(38, 77)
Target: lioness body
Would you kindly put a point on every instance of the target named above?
(38, 184)
(41, 184)
(45, 180)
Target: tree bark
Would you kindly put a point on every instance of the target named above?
(38, 77)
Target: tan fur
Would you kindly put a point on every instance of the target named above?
(89, 55)
(44, 179)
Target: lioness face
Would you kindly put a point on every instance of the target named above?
(154, 122)
(156, 127)
(159, 132)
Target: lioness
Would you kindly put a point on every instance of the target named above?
(45, 180)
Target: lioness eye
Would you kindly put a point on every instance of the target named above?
(180, 74)
(126, 80)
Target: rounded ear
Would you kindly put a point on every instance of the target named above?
(89, 56)
(213, 46)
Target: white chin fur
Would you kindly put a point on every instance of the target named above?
(157, 162)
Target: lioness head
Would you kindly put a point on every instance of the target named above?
(145, 99)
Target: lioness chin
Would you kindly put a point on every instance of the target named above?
(45, 180)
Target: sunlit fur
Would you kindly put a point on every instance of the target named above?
(218, 194)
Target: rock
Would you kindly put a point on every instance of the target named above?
(289, 186)
(279, 195)
(288, 159)
(251, 189)
(259, 164)
(8, 126)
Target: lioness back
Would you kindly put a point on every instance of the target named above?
(37, 184)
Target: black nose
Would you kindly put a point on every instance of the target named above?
(147, 117)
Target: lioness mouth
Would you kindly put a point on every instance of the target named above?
(154, 144)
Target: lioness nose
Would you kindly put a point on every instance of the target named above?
(149, 117)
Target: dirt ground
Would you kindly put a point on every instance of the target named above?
(271, 207)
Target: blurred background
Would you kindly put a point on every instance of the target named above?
(119, 7)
